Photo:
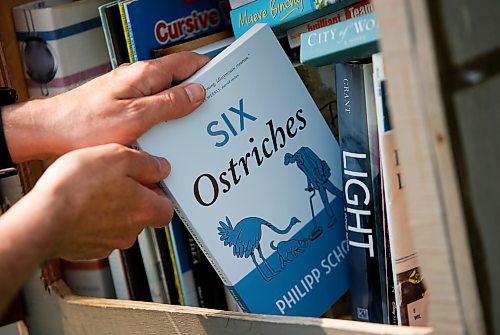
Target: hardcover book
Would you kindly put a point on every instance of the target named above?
(256, 179)
(154, 23)
(52, 35)
(345, 41)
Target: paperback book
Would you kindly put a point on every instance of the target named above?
(256, 179)
(346, 41)
(364, 217)
(349, 12)
(411, 296)
(281, 14)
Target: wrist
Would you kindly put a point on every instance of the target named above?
(24, 130)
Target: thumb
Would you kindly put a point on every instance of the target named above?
(172, 103)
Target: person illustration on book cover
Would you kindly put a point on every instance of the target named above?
(245, 237)
(318, 173)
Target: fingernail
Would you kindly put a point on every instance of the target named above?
(163, 164)
(195, 92)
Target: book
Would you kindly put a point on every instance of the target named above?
(354, 10)
(114, 33)
(281, 14)
(153, 24)
(209, 45)
(251, 170)
(350, 40)
(362, 193)
(183, 263)
(51, 35)
(152, 266)
(90, 278)
(129, 275)
(411, 295)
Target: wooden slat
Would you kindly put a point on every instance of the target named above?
(107, 316)
(434, 202)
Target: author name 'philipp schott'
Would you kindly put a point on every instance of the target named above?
(225, 128)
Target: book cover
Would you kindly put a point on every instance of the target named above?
(281, 14)
(349, 12)
(410, 292)
(345, 41)
(256, 179)
(362, 195)
(51, 35)
(154, 23)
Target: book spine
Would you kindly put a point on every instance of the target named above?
(136, 274)
(354, 39)
(245, 16)
(175, 265)
(150, 260)
(168, 269)
(127, 32)
(118, 275)
(365, 258)
(410, 290)
(107, 36)
(117, 34)
(184, 262)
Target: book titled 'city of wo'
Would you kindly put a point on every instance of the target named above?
(256, 179)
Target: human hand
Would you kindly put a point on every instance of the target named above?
(117, 107)
(98, 199)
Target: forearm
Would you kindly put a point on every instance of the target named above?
(25, 129)
(26, 240)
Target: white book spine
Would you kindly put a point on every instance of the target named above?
(149, 257)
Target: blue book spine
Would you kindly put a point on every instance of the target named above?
(349, 40)
(155, 24)
(361, 197)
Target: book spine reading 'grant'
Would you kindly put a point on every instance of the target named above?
(365, 256)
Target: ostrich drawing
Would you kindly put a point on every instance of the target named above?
(245, 238)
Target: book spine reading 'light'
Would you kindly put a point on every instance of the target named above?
(364, 254)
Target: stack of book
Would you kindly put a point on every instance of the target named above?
(286, 182)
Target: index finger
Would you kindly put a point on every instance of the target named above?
(158, 74)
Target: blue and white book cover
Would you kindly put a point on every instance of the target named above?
(256, 178)
(155, 23)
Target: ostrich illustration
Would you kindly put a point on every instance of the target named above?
(245, 238)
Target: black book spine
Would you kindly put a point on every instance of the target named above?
(361, 192)
(168, 266)
(136, 274)
(117, 34)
